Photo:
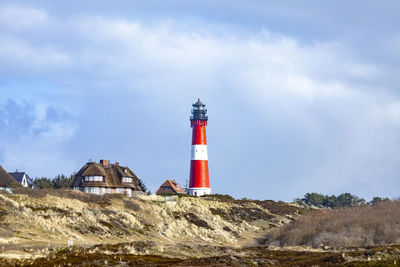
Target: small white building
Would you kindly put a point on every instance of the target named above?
(24, 179)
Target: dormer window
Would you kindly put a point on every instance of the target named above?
(94, 178)
(127, 180)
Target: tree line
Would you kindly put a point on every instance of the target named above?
(58, 182)
(340, 201)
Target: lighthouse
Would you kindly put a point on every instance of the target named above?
(199, 184)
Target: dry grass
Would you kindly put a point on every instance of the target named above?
(275, 207)
(69, 193)
(131, 205)
(351, 227)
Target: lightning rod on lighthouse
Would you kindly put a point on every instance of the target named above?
(199, 183)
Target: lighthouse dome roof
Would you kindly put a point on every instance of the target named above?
(199, 103)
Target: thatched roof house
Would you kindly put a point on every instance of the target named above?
(170, 187)
(102, 178)
(7, 182)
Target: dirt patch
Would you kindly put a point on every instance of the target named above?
(194, 219)
(279, 207)
(46, 209)
(3, 214)
(130, 205)
(240, 214)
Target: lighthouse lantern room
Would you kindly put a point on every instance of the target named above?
(199, 184)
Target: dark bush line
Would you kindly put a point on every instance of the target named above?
(60, 181)
(340, 201)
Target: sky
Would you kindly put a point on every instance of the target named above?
(302, 96)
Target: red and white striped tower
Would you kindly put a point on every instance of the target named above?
(199, 184)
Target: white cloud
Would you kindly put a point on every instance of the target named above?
(17, 54)
(263, 62)
(19, 17)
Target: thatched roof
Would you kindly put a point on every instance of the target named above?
(7, 180)
(94, 170)
(112, 173)
(170, 187)
(124, 172)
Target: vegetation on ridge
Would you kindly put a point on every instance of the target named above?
(60, 181)
(346, 227)
(340, 201)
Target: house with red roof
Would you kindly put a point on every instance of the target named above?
(170, 187)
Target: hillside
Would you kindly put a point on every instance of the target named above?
(31, 225)
(35, 227)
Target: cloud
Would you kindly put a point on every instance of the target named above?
(34, 136)
(284, 113)
(19, 55)
(19, 17)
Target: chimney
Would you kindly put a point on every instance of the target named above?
(104, 162)
(117, 163)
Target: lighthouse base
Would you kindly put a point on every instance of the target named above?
(199, 191)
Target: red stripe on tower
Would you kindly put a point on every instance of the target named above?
(199, 184)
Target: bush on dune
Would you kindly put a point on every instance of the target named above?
(347, 227)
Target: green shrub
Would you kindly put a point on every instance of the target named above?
(60, 181)
(325, 201)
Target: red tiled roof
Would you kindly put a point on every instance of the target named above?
(170, 187)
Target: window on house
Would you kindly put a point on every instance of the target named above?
(127, 180)
(94, 178)
(120, 190)
(95, 190)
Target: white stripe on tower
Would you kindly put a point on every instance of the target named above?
(199, 152)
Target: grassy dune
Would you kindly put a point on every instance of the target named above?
(32, 223)
(186, 231)
(351, 227)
